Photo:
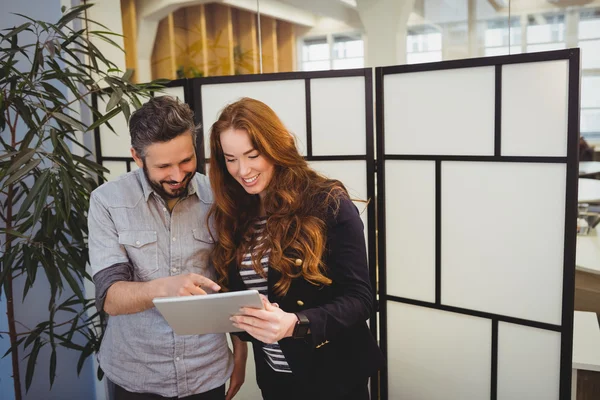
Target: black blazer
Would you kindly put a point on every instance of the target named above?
(340, 351)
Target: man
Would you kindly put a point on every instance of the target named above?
(148, 238)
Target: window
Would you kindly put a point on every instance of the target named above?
(423, 44)
(315, 55)
(499, 39)
(348, 52)
(545, 32)
(589, 42)
(333, 52)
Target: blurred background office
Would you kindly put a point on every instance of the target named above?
(173, 39)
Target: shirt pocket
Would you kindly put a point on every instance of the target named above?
(142, 249)
(203, 244)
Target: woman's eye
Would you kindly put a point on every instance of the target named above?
(256, 156)
(230, 159)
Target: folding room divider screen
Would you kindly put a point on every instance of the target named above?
(476, 207)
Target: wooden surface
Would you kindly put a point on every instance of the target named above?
(268, 29)
(163, 56)
(245, 34)
(286, 45)
(215, 39)
(219, 30)
(129, 20)
(588, 385)
(587, 291)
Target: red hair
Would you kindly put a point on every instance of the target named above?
(296, 202)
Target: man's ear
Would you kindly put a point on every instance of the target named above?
(136, 158)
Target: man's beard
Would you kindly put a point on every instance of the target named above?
(159, 189)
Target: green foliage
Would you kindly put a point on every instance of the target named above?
(47, 174)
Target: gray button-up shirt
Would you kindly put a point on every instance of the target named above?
(130, 223)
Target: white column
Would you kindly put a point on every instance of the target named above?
(385, 23)
(108, 13)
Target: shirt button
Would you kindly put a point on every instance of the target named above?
(164, 209)
(137, 242)
(174, 239)
(174, 269)
(176, 358)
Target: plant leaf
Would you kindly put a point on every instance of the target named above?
(127, 75)
(19, 161)
(115, 98)
(33, 193)
(20, 173)
(68, 120)
(7, 155)
(31, 363)
(105, 118)
(41, 202)
(52, 366)
(17, 30)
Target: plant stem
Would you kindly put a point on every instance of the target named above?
(10, 310)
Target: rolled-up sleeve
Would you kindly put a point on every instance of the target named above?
(104, 279)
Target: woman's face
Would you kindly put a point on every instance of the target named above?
(245, 164)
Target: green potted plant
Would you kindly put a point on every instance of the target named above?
(47, 175)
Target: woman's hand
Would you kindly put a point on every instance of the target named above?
(269, 325)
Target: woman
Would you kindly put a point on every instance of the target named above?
(295, 236)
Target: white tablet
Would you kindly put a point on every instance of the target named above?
(195, 315)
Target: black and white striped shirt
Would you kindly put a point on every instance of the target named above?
(253, 280)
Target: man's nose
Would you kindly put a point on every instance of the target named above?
(178, 174)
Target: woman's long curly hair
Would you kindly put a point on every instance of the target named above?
(296, 201)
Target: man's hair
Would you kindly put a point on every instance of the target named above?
(161, 119)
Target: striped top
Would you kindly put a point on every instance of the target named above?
(273, 354)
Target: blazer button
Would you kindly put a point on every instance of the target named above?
(300, 303)
(298, 262)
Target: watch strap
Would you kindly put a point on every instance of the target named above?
(302, 326)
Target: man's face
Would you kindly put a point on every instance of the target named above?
(169, 166)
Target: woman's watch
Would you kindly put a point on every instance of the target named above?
(302, 327)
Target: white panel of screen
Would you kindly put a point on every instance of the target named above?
(116, 168)
(534, 109)
(353, 175)
(503, 238)
(528, 363)
(410, 229)
(118, 143)
(287, 98)
(437, 355)
(177, 92)
(338, 116)
(440, 112)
